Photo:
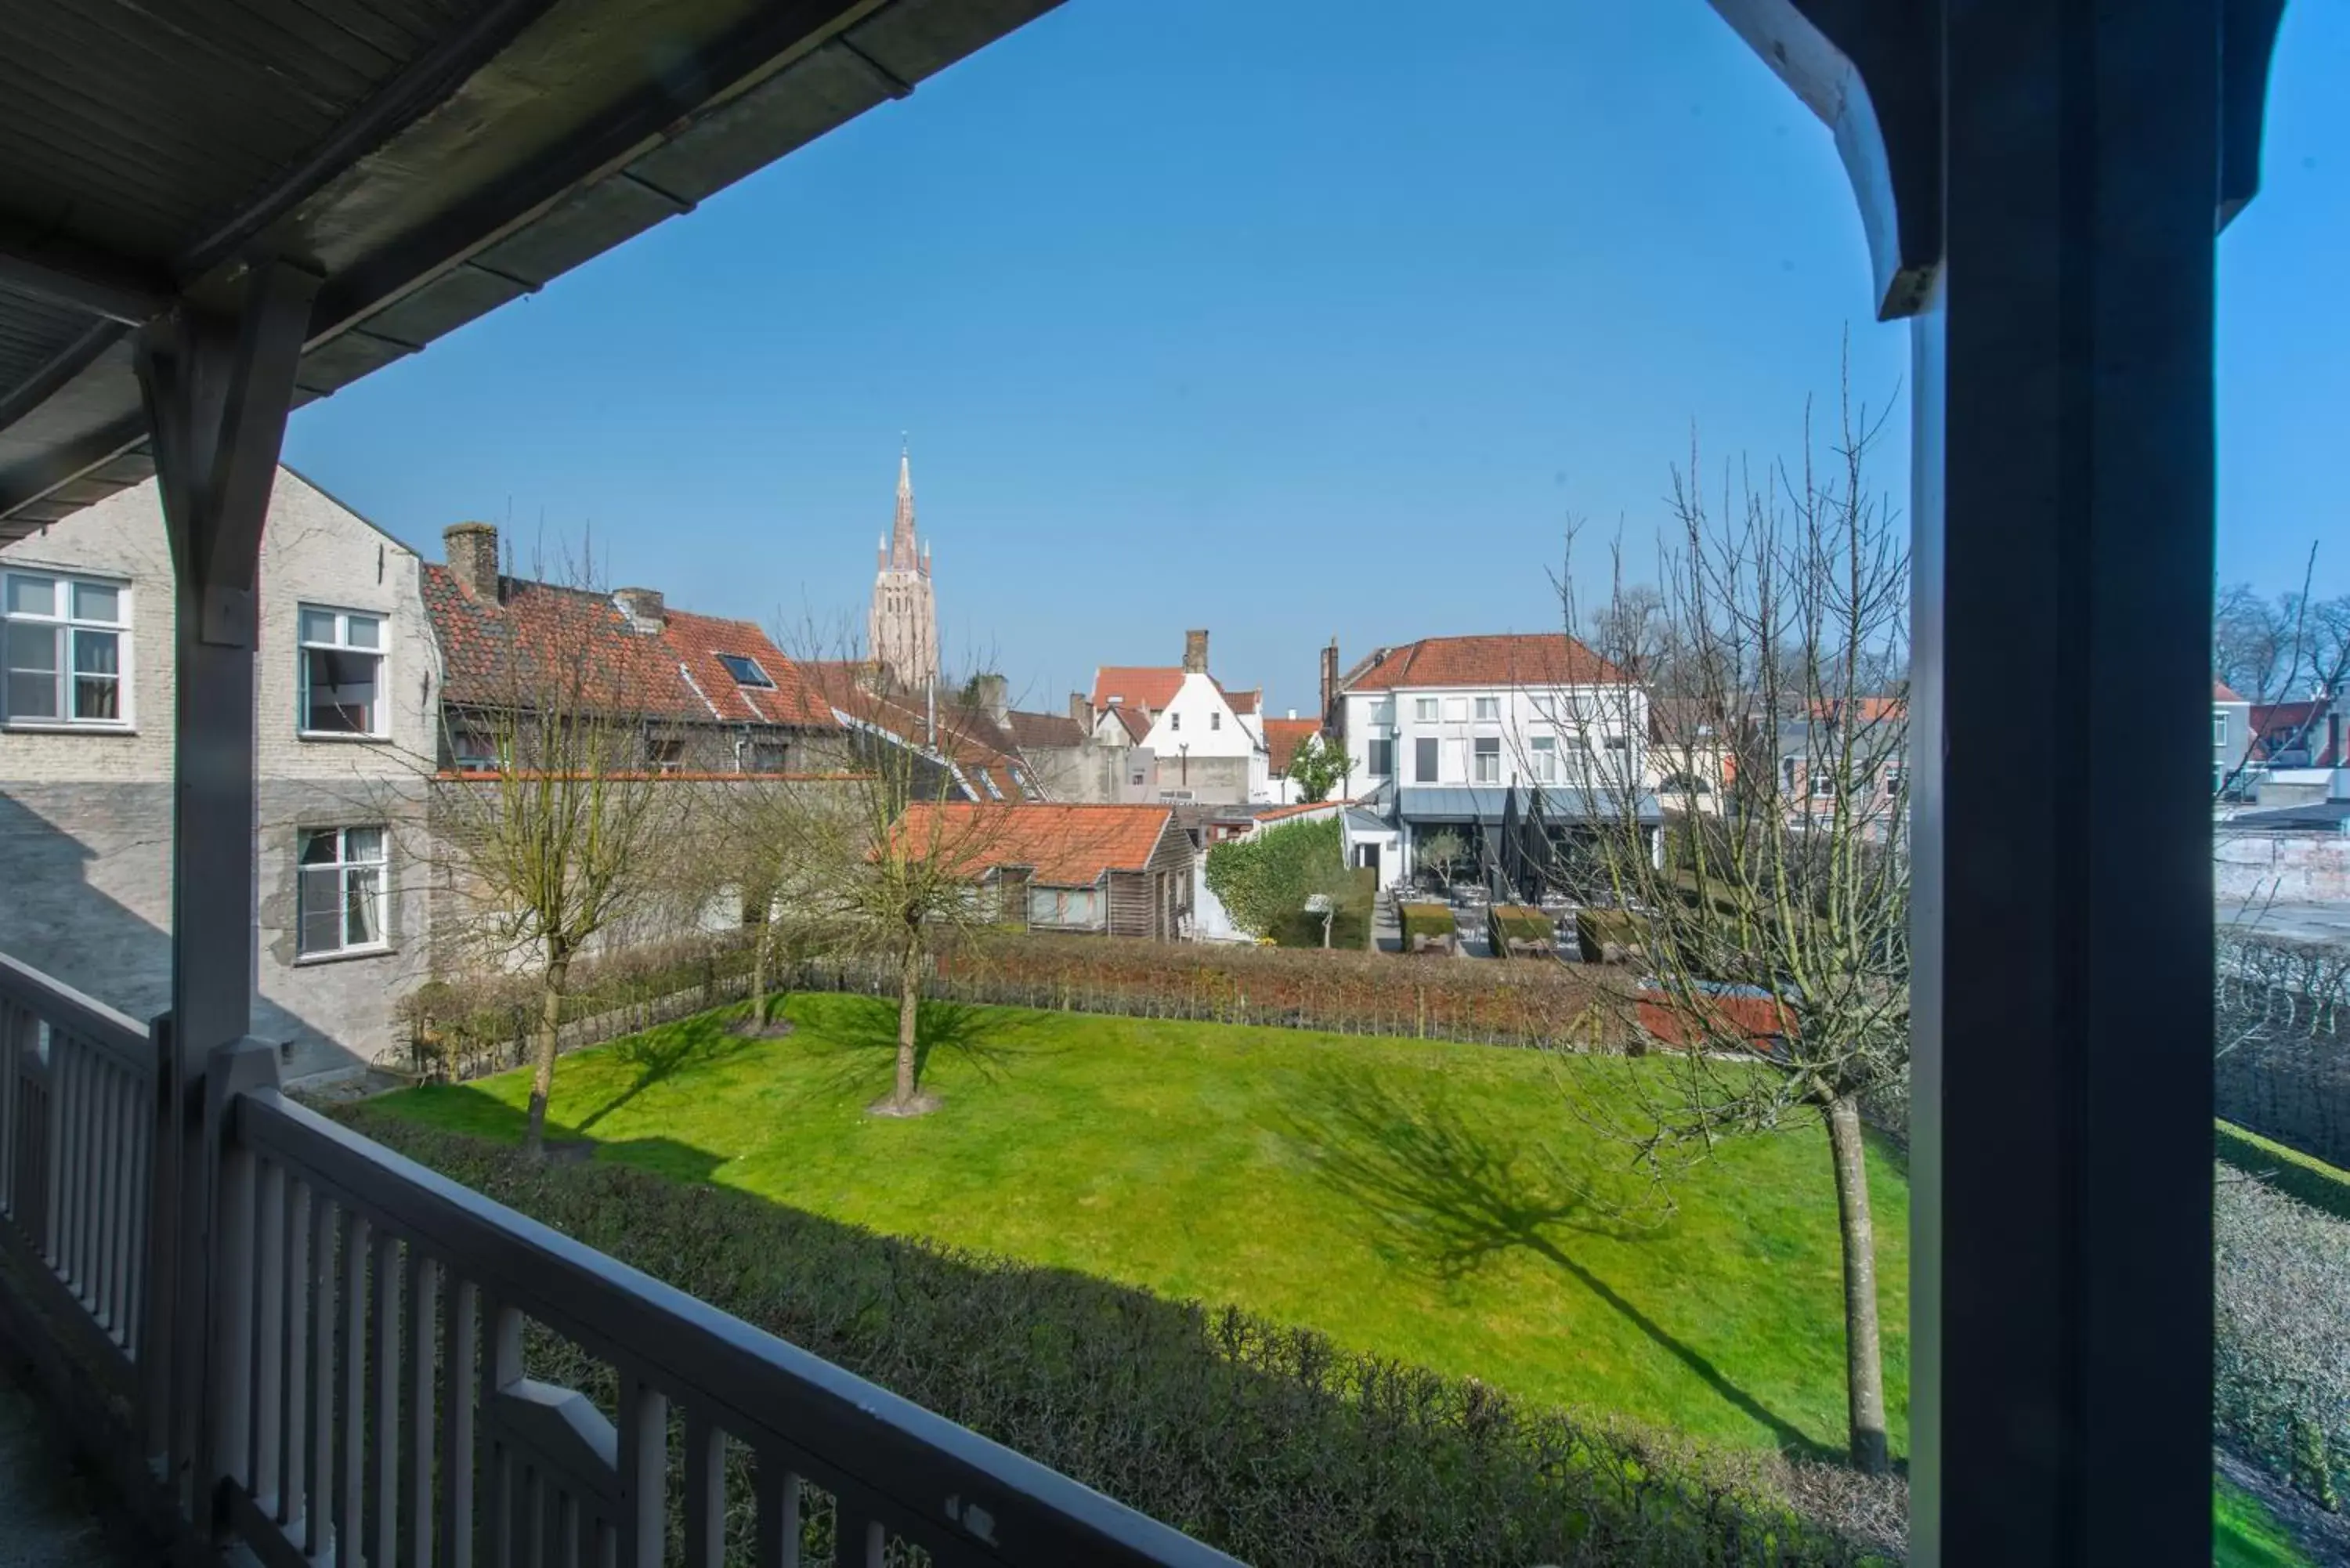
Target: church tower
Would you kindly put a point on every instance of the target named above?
(903, 630)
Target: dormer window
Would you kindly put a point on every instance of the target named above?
(745, 671)
(1215, 721)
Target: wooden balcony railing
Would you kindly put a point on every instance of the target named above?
(319, 1351)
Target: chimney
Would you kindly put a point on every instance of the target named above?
(1195, 652)
(992, 693)
(1293, 712)
(472, 551)
(1330, 682)
(1081, 710)
(643, 607)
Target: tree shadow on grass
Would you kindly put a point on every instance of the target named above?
(1450, 1195)
(858, 1035)
(659, 1054)
(464, 1109)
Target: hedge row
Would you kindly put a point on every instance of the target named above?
(2281, 1336)
(1267, 1441)
(1355, 992)
(481, 1022)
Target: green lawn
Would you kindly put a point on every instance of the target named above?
(2245, 1534)
(1438, 1203)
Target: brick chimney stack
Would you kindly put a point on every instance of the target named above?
(646, 609)
(1195, 652)
(1330, 683)
(1081, 710)
(472, 551)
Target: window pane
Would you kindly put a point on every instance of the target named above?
(318, 848)
(32, 647)
(32, 696)
(32, 595)
(322, 915)
(96, 601)
(318, 626)
(363, 844)
(341, 691)
(97, 652)
(365, 631)
(98, 697)
(363, 904)
(1424, 759)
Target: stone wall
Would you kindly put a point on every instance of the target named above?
(2292, 869)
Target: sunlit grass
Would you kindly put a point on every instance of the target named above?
(1434, 1202)
(2245, 1534)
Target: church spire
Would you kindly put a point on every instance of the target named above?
(902, 553)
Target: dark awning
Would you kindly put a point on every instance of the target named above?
(430, 160)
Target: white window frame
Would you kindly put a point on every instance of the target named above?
(343, 865)
(1174, 722)
(1543, 759)
(1483, 750)
(2219, 729)
(65, 631)
(1372, 757)
(1423, 710)
(381, 721)
(1489, 710)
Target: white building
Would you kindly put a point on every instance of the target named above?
(1198, 742)
(1442, 732)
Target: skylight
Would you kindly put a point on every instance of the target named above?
(745, 671)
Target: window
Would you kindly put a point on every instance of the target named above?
(1423, 759)
(1823, 781)
(667, 756)
(1215, 721)
(1487, 759)
(2220, 728)
(1545, 759)
(65, 648)
(473, 750)
(1489, 707)
(765, 756)
(342, 673)
(1892, 777)
(745, 671)
(1424, 710)
(1383, 710)
(1174, 721)
(1456, 710)
(1382, 758)
(1138, 778)
(1064, 907)
(342, 891)
(1787, 775)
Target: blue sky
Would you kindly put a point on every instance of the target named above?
(1198, 317)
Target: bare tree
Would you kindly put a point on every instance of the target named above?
(893, 860)
(2251, 639)
(547, 830)
(1775, 931)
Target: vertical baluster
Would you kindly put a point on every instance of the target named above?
(563, 1527)
(318, 1511)
(97, 1243)
(641, 1531)
(779, 1513)
(530, 1545)
(350, 1447)
(423, 1296)
(112, 1149)
(11, 1021)
(138, 1200)
(293, 1392)
(122, 1222)
(84, 1168)
(55, 1179)
(506, 1522)
(457, 1384)
(230, 1390)
(705, 1490)
(857, 1539)
(269, 1332)
(383, 1481)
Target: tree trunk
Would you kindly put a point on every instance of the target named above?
(909, 1007)
(759, 974)
(1863, 1349)
(542, 1041)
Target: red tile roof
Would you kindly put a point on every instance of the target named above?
(1539, 659)
(494, 652)
(1299, 808)
(1282, 737)
(966, 736)
(1062, 845)
(2276, 726)
(2224, 693)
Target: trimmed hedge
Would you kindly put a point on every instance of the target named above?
(1428, 926)
(1610, 936)
(1350, 926)
(1513, 923)
(2281, 1336)
(1540, 1006)
(1264, 881)
(2288, 1170)
(1268, 1442)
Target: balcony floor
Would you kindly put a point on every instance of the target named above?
(50, 1512)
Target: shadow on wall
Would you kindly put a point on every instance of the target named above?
(54, 916)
